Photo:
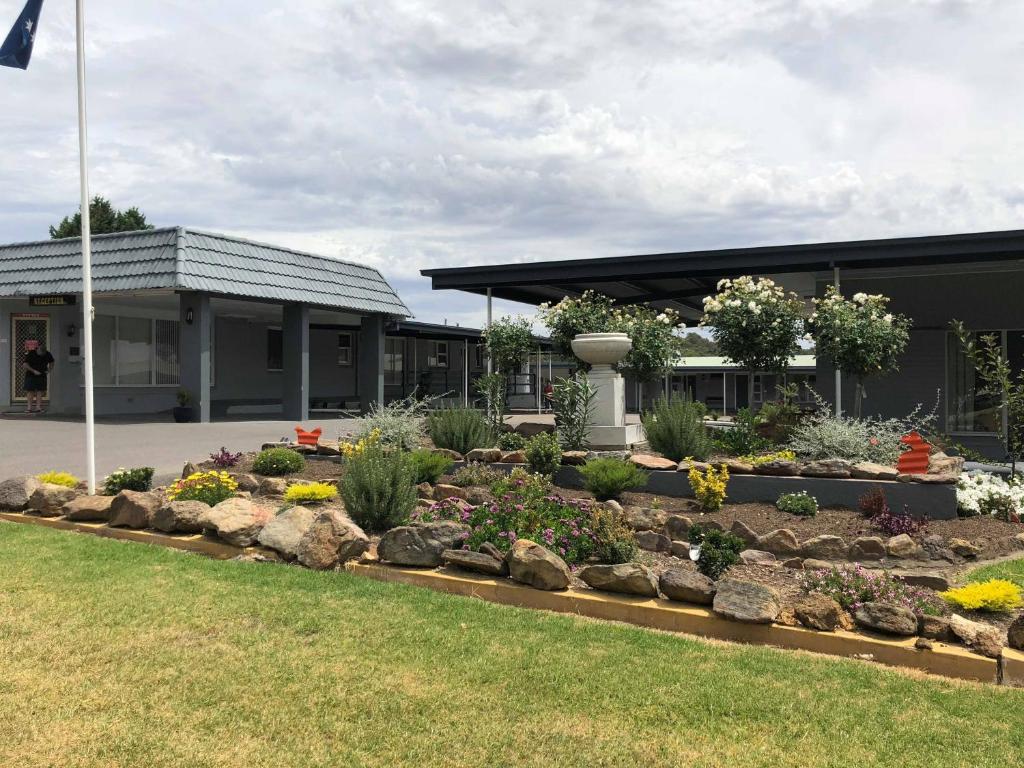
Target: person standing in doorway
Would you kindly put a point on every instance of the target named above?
(38, 363)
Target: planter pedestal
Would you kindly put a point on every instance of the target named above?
(609, 430)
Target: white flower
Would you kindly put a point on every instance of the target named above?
(860, 298)
(888, 319)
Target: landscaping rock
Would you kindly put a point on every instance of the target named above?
(273, 486)
(928, 579)
(574, 458)
(134, 509)
(478, 562)
(1015, 634)
(887, 618)
(514, 457)
(824, 547)
(935, 628)
(622, 455)
(15, 493)
(941, 464)
(476, 496)
(246, 482)
(653, 541)
(647, 461)
(757, 557)
(867, 548)
(687, 586)
(677, 527)
(453, 455)
(328, 448)
(819, 612)
(778, 468)
(943, 478)
(810, 564)
(48, 499)
(964, 548)
(744, 532)
(485, 455)
(681, 549)
(738, 467)
(88, 508)
(835, 468)
(625, 578)
(180, 517)
(686, 466)
(983, 638)
(645, 519)
(902, 546)
(868, 470)
(236, 521)
(424, 491)
(188, 470)
(747, 601)
(613, 506)
(530, 429)
(794, 563)
(489, 549)
(332, 538)
(420, 544)
(443, 491)
(781, 541)
(530, 563)
(923, 644)
(285, 530)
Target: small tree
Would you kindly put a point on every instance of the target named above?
(574, 411)
(755, 324)
(508, 341)
(492, 388)
(103, 219)
(860, 336)
(997, 379)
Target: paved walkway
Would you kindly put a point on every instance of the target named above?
(29, 445)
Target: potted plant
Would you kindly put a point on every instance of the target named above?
(184, 412)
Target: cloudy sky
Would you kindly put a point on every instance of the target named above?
(419, 134)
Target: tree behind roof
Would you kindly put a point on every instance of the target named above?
(103, 219)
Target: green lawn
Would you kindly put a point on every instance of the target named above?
(117, 654)
(1011, 570)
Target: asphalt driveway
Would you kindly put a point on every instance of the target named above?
(29, 445)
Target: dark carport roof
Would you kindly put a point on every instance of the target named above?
(682, 279)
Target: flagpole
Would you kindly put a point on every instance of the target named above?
(83, 160)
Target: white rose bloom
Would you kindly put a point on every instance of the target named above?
(888, 319)
(860, 298)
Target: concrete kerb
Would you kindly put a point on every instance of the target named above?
(944, 660)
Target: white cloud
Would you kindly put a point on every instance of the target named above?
(409, 134)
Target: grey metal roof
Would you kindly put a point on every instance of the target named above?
(186, 259)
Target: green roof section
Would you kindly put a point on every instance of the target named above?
(179, 258)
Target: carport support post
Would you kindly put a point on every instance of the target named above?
(839, 374)
(295, 356)
(195, 320)
(371, 361)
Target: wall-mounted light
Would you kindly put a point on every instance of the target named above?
(189, 316)
(72, 330)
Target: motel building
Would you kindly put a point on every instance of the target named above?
(249, 330)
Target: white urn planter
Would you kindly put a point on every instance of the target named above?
(602, 351)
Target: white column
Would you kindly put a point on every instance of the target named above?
(839, 374)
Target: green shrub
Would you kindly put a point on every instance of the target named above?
(608, 478)
(476, 473)
(992, 596)
(310, 493)
(742, 438)
(399, 423)
(614, 541)
(429, 466)
(379, 488)
(675, 428)
(543, 453)
(851, 585)
(511, 441)
(275, 462)
(800, 503)
(135, 479)
(719, 550)
(824, 435)
(459, 429)
(58, 478)
(573, 399)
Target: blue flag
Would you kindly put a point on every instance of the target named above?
(17, 47)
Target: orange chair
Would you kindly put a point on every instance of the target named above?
(914, 461)
(308, 438)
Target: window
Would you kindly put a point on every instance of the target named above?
(393, 361)
(968, 409)
(437, 355)
(135, 352)
(478, 356)
(275, 349)
(345, 348)
(758, 388)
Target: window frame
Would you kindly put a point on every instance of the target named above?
(347, 362)
(152, 353)
(950, 392)
(435, 354)
(280, 332)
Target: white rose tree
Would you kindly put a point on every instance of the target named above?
(859, 335)
(756, 325)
